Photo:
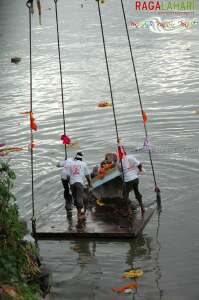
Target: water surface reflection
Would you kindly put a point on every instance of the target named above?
(88, 269)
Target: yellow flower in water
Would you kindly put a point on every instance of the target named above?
(133, 273)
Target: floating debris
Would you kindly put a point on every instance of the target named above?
(6, 151)
(11, 149)
(104, 104)
(125, 287)
(128, 291)
(133, 274)
(15, 60)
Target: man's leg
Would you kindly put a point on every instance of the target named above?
(126, 191)
(129, 188)
(67, 195)
(79, 198)
(138, 196)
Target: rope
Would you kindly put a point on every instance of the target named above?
(111, 94)
(157, 190)
(61, 76)
(29, 4)
(157, 256)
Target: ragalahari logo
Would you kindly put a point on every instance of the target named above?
(157, 25)
(166, 5)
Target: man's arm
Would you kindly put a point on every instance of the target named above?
(136, 162)
(60, 164)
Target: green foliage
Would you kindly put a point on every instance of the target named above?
(13, 254)
(29, 292)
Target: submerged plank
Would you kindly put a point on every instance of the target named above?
(96, 225)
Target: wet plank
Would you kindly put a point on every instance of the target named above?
(97, 225)
(112, 174)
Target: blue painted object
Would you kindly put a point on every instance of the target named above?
(110, 176)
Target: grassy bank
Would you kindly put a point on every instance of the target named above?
(19, 270)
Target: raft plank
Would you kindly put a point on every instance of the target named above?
(96, 226)
(112, 174)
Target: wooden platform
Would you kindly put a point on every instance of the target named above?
(98, 224)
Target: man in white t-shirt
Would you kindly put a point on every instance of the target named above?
(65, 165)
(131, 167)
(78, 171)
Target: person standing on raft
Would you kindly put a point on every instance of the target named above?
(78, 170)
(131, 167)
(65, 181)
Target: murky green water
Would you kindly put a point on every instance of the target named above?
(167, 66)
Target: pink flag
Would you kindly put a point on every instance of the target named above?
(66, 139)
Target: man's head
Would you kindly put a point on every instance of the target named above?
(79, 156)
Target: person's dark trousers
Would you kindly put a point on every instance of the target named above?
(67, 194)
(133, 185)
(78, 194)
